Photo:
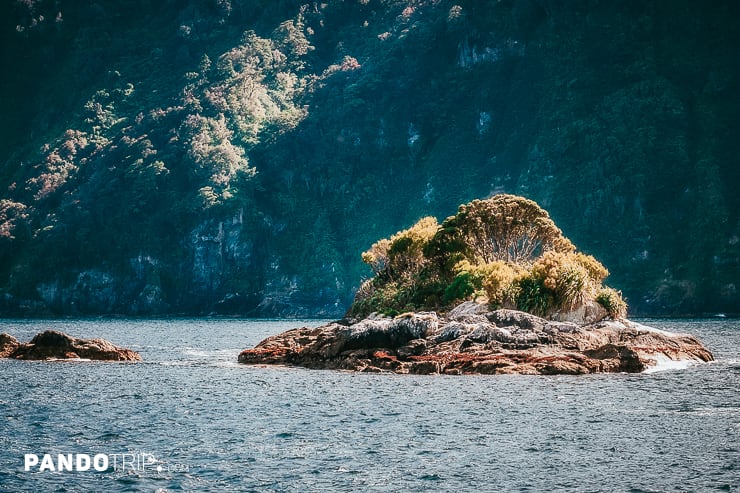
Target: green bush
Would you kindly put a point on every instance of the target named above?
(572, 287)
(463, 286)
(498, 279)
(612, 301)
(532, 296)
(573, 278)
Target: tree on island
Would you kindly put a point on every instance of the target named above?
(505, 228)
(505, 251)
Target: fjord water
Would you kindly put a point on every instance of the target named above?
(214, 425)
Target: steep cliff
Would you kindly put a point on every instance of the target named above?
(225, 156)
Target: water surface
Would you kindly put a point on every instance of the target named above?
(214, 425)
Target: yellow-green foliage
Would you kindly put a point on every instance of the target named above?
(505, 249)
(530, 294)
(406, 251)
(612, 301)
(377, 256)
(398, 263)
(596, 271)
(493, 280)
(498, 278)
(572, 278)
(402, 255)
(389, 298)
(508, 228)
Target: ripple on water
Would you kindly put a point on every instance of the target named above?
(215, 425)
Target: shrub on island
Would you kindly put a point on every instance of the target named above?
(504, 251)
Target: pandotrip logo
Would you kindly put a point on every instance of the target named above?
(127, 462)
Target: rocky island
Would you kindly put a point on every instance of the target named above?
(55, 345)
(494, 289)
(473, 339)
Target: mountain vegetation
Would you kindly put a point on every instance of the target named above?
(233, 156)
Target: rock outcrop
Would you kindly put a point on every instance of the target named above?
(8, 344)
(472, 339)
(53, 344)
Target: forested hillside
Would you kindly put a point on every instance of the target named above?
(236, 157)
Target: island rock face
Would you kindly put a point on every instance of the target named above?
(471, 339)
(53, 344)
(8, 344)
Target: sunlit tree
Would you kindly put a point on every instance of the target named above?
(505, 228)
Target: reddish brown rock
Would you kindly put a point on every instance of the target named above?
(53, 344)
(8, 344)
(473, 340)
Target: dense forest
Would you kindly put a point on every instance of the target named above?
(236, 157)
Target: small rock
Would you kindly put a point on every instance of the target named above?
(413, 348)
(423, 367)
(52, 344)
(8, 344)
(523, 320)
(452, 331)
(584, 314)
(487, 333)
(467, 309)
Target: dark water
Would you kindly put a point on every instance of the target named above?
(210, 424)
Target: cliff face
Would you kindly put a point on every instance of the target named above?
(196, 156)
